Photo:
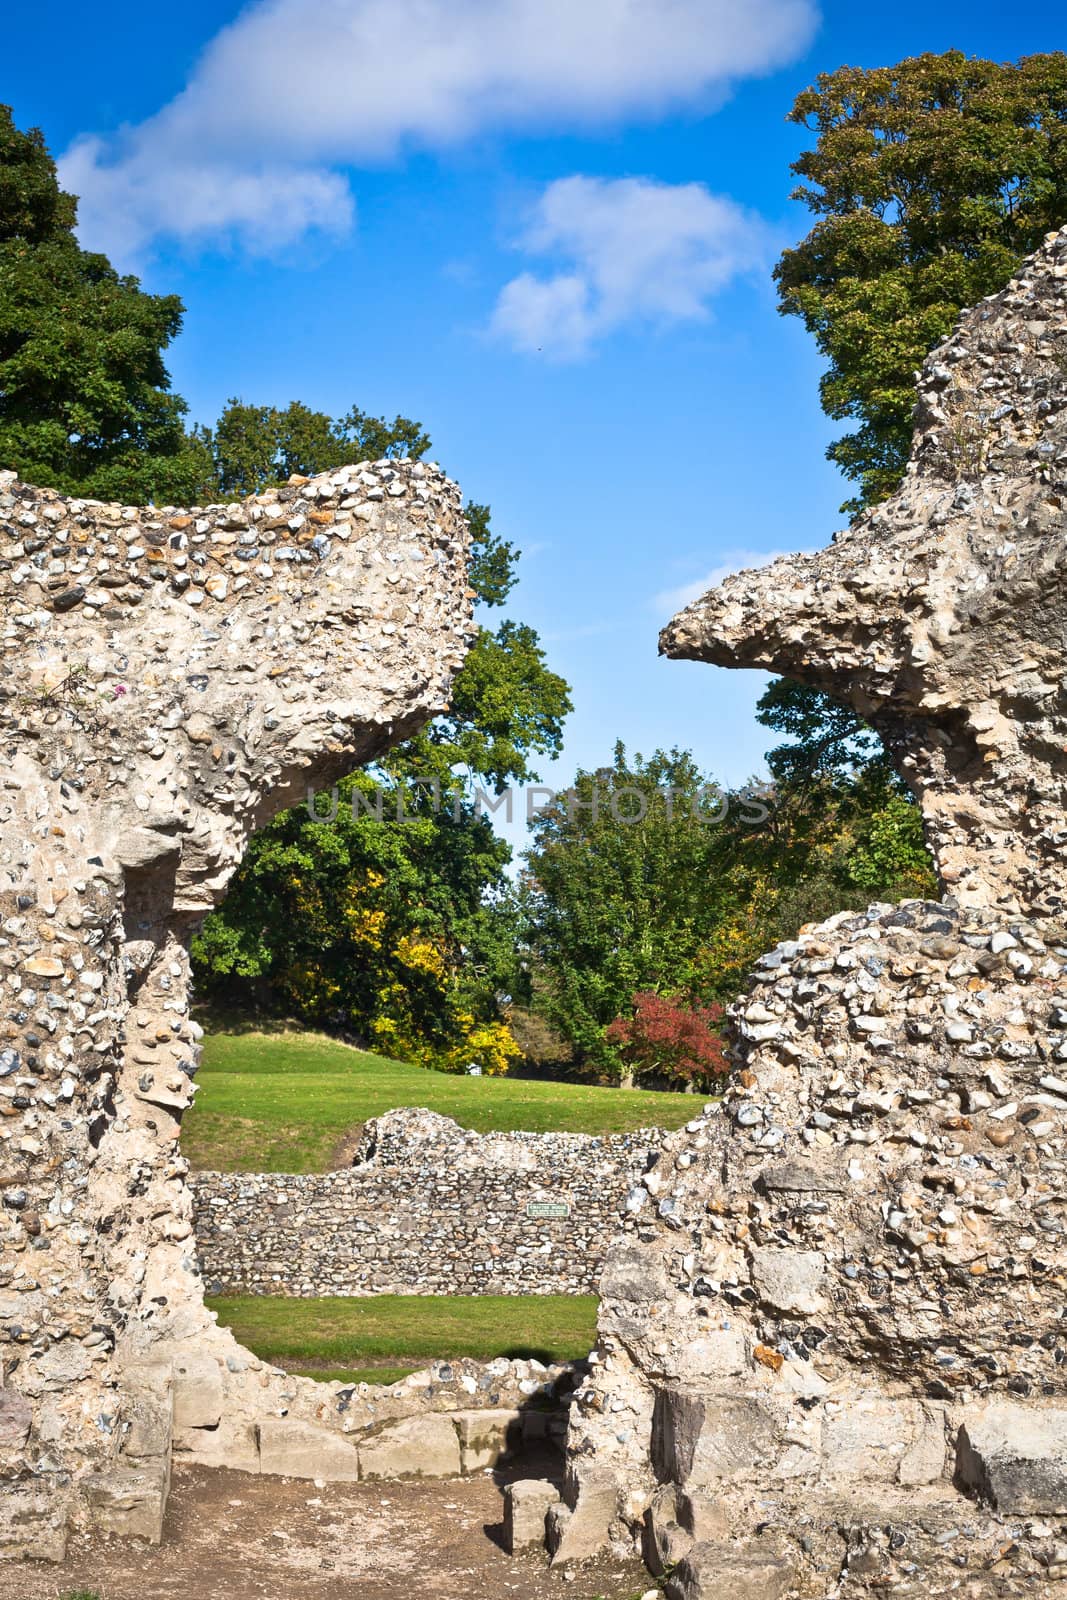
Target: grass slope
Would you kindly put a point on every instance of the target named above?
(282, 1102)
(382, 1338)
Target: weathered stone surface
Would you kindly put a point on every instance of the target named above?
(876, 1212)
(939, 615)
(129, 1501)
(198, 1392)
(16, 1415)
(34, 1518)
(700, 1437)
(754, 1570)
(892, 1441)
(580, 1533)
(420, 1447)
(665, 1540)
(170, 680)
(1015, 1457)
(486, 1437)
(789, 1280)
(526, 1504)
(295, 1449)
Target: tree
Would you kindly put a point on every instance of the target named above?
(253, 447)
(618, 894)
(827, 740)
(85, 399)
(506, 703)
(932, 180)
(646, 879)
(401, 932)
(370, 924)
(667, 1038)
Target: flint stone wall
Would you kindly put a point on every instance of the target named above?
(832, 1351)
(427, 1208)
(172, 677)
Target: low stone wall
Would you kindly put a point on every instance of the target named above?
(427, 1208)
(452, 1419)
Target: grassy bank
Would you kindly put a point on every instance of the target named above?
(282, 1102)
(381, 1338)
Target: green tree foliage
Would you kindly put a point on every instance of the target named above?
(826, 740)
(617, 893)
(402, 932)
(253, 447)
(372, 923)
(85, 398)
(681, 902)
(931, 179)
(832, 762)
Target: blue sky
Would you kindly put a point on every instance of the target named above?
(542, 227)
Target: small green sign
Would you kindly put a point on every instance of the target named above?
(548, 1208)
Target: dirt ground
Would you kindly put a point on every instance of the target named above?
(235, 1536)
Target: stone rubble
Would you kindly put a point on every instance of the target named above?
(832, 1352)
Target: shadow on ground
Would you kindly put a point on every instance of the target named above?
(244, 1537)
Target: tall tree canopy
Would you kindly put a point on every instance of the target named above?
(85, 398)
(931, 179)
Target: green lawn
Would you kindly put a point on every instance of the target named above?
(385, 1336)
(282, 1102)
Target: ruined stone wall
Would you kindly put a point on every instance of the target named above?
(428, 1208)
(170, 680)
(832, 1353)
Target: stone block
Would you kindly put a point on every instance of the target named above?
(803, 1178)
(234, 1445)
(293, 1449)
(526, 1505)
(703, 1518)
(534, 1426)
(129, 1501)
(790, 1280)
(33, 1521)
(754, 1570)
(1015, 1457)
(16, 1415)
(634, 1274)
(700, 1437)
(663, 1539)
(417, 1447)
(556, 1520)
(143, 847)
(883, 1440)
(720, 1353)
(147, 1431)
(586, 1530)
(198, 1393)
(486, 1437)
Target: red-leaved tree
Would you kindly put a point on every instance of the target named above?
(668, 1036)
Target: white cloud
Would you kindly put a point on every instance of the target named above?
(670, 601)
(292, 89)
(634, 249)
